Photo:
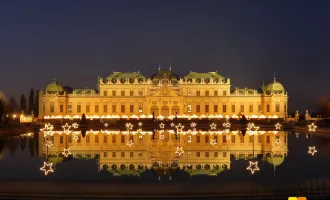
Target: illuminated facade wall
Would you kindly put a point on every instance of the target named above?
(164, 94)
(198, 150)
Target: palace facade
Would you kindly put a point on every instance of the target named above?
(165, 94)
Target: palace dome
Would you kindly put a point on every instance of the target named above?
(54, 87)
(275, 87)
(275, 160)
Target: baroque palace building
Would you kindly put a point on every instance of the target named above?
(165, 94)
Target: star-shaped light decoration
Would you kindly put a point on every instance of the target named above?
(66, 152)
(49, 143)
(139, 130)
(179, 128)
(226, 125)
(213, 142)
(75, 137)
(129, 126)
(277, 142)
(130, 143)
(312, 127)
(193, 124)
(312, 150)
(162, 137)
(66, 128)
(252, 129)
(106, 124)
(227, 137)
(172, 124)
(253, 167)
(162, 125)
(179, 150)
(48, 129)
(75, 125)
(278, 126)
(140, 124)
(47, 168)
(213, 126)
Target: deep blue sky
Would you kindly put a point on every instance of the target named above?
(245, 40)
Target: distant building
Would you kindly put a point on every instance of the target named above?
(165, 94)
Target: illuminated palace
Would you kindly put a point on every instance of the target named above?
(164, 94)
(204, 154)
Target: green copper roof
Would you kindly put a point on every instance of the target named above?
(128, 75)
(275, 87)
(165, 74)
(242, 91)
(84, 91)
(207, 75)
(54, 87)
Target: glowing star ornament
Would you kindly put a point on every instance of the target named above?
(140, 124)
(213, 142)
(312, 127)
(253, 167)
(106, 125)
(277, 142)
(66, 152)
(75, 137)
(66, 128)
(179, 150)
(172, 124)
(252, 129)
(75, 125)
(213, 126)
(48, 129)
(130, 143)
(162, 137)
(161, 125)
(179, 128)
(193, 124)
(47, 168)
(49, 143)
(312, 150)
(226, 125)
(129, 126)
(278, 126)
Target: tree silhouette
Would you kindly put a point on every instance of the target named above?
(23, 103)
(36, 104)
(323, 106)
(31, 146)
(2, 144)
(83, 125)
(23, 143)
(1, 110)
(12, 105)
(12, 146)
(31, 102)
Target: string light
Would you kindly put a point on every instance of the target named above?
(140, 123)
(75, 125)
(193, 124)
(312, 127)
(106, 124)
(129, 126)
(47, 168)
(49, 143)
(66, 128)
(252, 129)
(213, 126)
(278, 126)
(66, 152)
(253, 167)
(312, 150)
(130, 143)
(226, 124)
(179, 150)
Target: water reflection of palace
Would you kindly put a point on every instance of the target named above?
(131, 154)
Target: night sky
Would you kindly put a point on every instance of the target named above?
(245, 40)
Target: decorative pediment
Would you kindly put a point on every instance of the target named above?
(165, 91)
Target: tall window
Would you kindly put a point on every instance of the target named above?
(78, 108)
(114, 108)
(189, 92)
(122, 93)
(70, 108)
(259, 108)
(215, 92)
(224, 93)
(87, 108)
(250, 108)
(198, 139)
(268, 108)
(131, 108)
(198, 93)
(52, 109)
(140, 108)
(140, 93)
(114, 93)
(131, 93)
(233, 108)
(105, 108)
(96, 139)
(96, 108)
(105, 138)
(277, 108)
(198, 108)
(122, 108)
(224, 108)
(242, 108)
(189, 107)
(215, 108)
(61, 108)
(207, 139)
(207, 93)
(105, 93)
(207, 108)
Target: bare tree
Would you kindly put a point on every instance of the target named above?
(323, 106)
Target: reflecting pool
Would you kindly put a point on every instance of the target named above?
(217, 160)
